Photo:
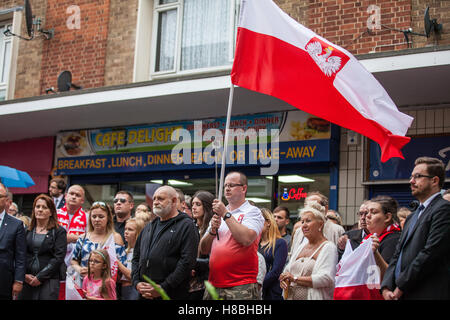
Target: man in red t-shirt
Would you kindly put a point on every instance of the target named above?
(233, 263)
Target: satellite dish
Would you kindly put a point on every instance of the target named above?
(65, 82)
(431, 25)
(427, 22)
(30, 24)
(28, 17)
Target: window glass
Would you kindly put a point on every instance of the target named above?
(206, 34)
(96, 192)
(201, 36)
(6, 61)
(167, 1)
(293, 189)
(166, 43)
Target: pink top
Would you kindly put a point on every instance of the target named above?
(92, 288)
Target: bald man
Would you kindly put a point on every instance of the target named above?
(166, 250)
(74, 220)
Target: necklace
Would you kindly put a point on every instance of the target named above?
(40, 229)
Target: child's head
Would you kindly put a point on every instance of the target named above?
(133, 228)
(99, 264)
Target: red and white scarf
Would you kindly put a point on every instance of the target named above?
(77, 225)
(390, 229)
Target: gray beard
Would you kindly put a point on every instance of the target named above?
(163, 212)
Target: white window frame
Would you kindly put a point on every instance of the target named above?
(178, 5)
(7, 40)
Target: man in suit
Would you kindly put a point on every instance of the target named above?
(419, 267)
(12, 251)
(56, 190)
(355, 236)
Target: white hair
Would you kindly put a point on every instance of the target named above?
(315, 208)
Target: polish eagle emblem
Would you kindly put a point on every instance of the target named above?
(328, 63)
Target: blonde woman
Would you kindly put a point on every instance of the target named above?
(311, 270)
(274, 250)
(100, 229)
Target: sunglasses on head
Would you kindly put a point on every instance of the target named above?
(122, 200)
(100, 203)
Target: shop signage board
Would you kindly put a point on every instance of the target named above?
(400, 169)
(302, 138)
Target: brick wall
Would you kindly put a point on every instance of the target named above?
(344, 22)
(81, 51)
(121, 42)
(439, 10)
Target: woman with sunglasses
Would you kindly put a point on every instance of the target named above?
(100, 230)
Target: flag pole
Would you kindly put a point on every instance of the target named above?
(225, 143)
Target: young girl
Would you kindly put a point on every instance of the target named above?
(133, 228)
(99, 285)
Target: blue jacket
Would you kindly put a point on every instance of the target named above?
(12, 254)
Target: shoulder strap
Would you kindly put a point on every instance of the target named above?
(323, 243)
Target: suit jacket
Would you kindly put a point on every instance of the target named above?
(426, 255)
(12, 254)
(61, 203)
(50, 255)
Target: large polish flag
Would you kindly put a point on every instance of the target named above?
(278, 56)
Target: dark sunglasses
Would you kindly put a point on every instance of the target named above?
(122, 200)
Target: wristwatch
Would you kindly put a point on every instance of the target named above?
(226, 216)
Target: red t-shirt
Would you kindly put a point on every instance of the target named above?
(232, 264)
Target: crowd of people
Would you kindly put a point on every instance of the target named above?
(245, 252)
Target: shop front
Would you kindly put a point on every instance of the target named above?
(284, 154)
(392, 177)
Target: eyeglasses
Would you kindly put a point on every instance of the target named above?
(232, 185)
(122, 200)
(3, 196)
(363, 213)
(95, 261)
(418, 175)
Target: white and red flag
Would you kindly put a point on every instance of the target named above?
(110, 247)
(278, 56)
(357, 275)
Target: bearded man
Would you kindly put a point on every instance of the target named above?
(166, 250)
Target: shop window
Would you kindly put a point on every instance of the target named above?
(95, 192)
(193, 35)
(293, 189)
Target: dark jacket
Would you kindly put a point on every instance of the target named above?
(271, 289)
(388, 245)
(12, 254)
(51, 265)
(51, 253)
(171, 258)
(425, 258)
